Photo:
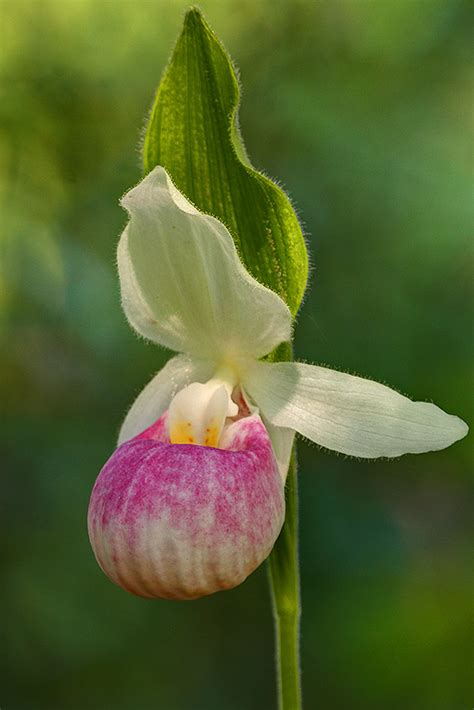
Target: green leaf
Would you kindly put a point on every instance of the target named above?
(193, 134)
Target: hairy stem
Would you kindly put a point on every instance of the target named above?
(285, 589)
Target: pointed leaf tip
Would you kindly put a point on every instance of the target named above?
(194, 14)
(193, 134)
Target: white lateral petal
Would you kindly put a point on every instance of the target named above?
(183, 284)
(155, 398)
(347, 413)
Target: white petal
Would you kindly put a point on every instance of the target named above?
(183, 284)
(349, 414)
(155, 398)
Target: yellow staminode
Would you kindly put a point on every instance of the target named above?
(198, 412)
(182, 433)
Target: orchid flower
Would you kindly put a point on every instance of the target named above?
(192, 500)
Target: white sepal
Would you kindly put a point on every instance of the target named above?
(183, 284)
(155, 398)
(347, 413)
(282, 441)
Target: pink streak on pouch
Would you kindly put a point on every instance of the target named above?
(180, 521)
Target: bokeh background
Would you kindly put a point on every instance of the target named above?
(361, 108)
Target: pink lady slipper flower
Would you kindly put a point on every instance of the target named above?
(192, 500)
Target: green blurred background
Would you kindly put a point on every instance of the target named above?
(362, 109)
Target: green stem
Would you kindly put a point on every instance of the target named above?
(285, 589)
